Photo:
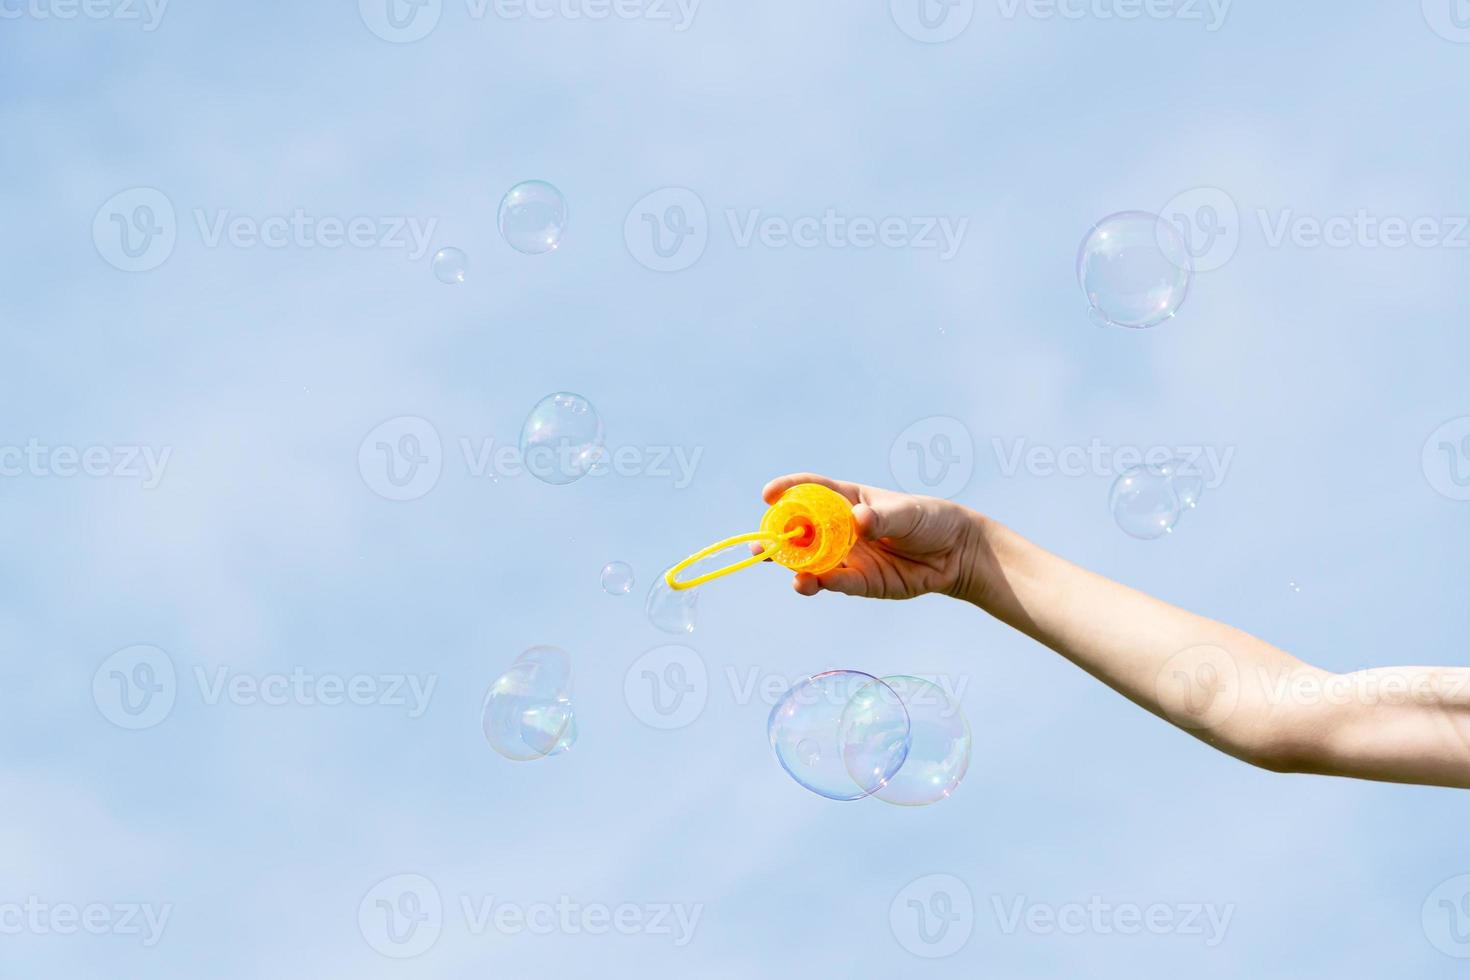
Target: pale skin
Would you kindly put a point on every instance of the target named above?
(1227, 688)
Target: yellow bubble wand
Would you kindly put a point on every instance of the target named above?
(810, 528)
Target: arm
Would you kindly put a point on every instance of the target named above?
(1224, 686)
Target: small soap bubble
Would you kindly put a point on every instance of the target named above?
(532, 217)
(671, 610)
(527, 713)
(1188, 484)
(939, 745)
(562, 439)
(842, 734)
(617, 578)
(1144, 502)
(1134, 268)
(450, 265)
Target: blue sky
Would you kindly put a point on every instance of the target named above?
(258, 552)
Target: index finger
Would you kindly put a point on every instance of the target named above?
(852, 491)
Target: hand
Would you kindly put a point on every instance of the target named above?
(907, 545)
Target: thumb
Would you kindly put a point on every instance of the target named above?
(896, 518)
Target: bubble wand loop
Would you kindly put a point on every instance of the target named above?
(810, 528)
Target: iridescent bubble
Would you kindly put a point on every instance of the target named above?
(527, 713)
(842, 734)
(532, 217)
(671, 610)
(561, 440)
(568, 737)
(450, 265)
(1188, 484)
(939, 745)
(1144, 502)
(1134, 268)
(617, 578)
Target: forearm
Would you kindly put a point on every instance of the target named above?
(1226, 687)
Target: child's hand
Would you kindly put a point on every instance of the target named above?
(907, 545)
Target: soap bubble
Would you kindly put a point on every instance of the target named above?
(1147, 500)
(450, 265)
(617, 578)
(1188, 484)
(532, 217)
(671, 610)
(568, 737)
(1144, 503)
(1134, 268)
(842, 734)
(939, 745)
(527, 713)
(561, 440)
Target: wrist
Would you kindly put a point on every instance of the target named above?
(977, 566)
